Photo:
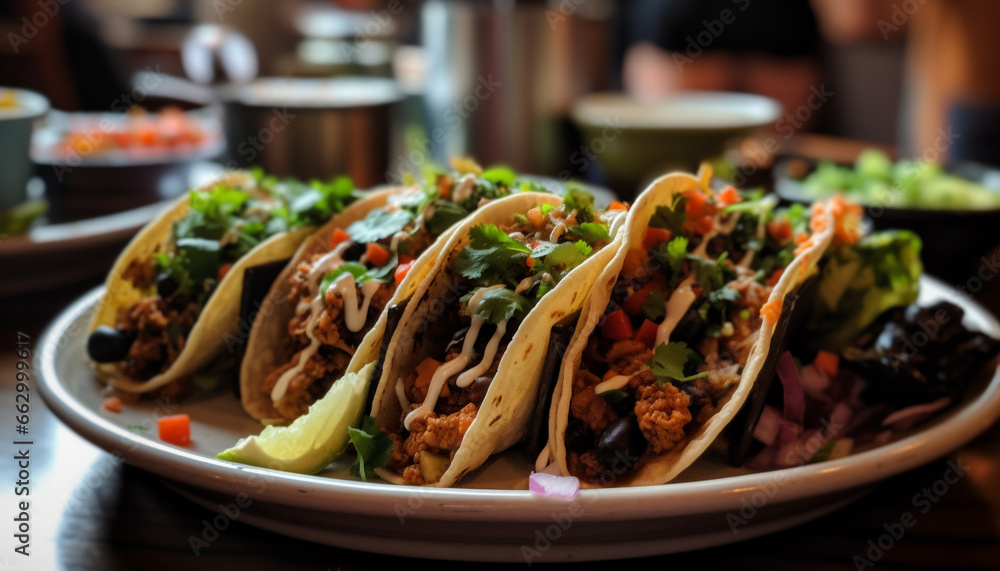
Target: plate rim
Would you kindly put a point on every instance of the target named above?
(618, 504)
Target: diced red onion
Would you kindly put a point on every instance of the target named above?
(907, 417)
(839, 419)
(561, 487)
(768, 425)
(787, 432)
(795, 399)
(815, 382)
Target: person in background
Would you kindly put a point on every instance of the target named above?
(769, 48)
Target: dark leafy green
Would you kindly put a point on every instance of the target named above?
(371, 446)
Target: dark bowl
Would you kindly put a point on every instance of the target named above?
(957, 244)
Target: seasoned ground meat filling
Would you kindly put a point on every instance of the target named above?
(160, 334)
(664, 414)
(438, 434)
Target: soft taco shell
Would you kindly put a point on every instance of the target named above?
(664, 467)
(504, 416)
(218, 319)
(266, 347)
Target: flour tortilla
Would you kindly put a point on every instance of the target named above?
(504, 416)
(218, 320)
(266, 347)
(664, 467)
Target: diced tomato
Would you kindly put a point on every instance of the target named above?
(405, 258)
(402, 270)
(113, 404)
(647, 333)
(654, 236)
(224, 269)
(729, 196)
(535, 217)
(377, 254)
(530, 262)
(444, 185)
(633, 304)
(175, 429)
(123, 139)
(829, 362)
(780, 230)
(696, 203)
(616, 205)
(700, 225)
(616, 325)
(339, 235)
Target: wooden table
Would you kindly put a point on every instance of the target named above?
(89, 511)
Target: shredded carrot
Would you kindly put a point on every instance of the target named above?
(829, 362)
(113, 404)
(780, 230)
(771, 311)
(803, 245)
(616, 205)
(535, 217)
(729, 196)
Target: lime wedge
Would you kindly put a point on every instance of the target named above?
(314, 440)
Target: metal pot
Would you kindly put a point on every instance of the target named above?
(312, 128)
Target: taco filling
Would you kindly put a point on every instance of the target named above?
(497, 280)
(676, 333)
(340, 293)
(221, 226)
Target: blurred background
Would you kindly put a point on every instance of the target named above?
(129, 103)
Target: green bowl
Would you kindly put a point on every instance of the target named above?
(637, 141)
(16, 124)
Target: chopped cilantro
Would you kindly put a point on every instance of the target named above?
(371, 446)
(500, 176)
(379, 224)
(500, 303)
(674, 362)
(580, 200)
(446, 214)
(670, 217)
(492, 258)
(654, 308)
(590, 232)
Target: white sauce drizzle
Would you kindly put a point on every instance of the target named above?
(748, 257)
(614, 383)
(558, 231)
(678, 304)
(330, 261)
(466, 378)
(716, 230)
(354, 316)
(526, 283)
(456, 365)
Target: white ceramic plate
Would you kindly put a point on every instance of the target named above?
(491, 517)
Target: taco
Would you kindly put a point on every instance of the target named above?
(305, 341)
(676, 329)
(172, 298)
(462, 369)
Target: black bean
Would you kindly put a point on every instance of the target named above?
(619, 442)
(107, 344)
(353, 252)
(166, 285)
